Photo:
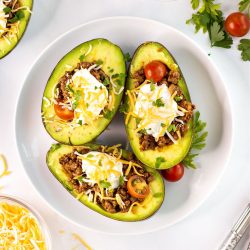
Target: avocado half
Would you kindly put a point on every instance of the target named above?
(150, 205)
(168, 156)
(8, 44)
(111, 57)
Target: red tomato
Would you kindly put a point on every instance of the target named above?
(137, 187)
(63, 112)
(155, 71)
(173, 174)
(237, 24)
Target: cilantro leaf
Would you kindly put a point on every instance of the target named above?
(18, 16)
(244, 47)
(198, 142)
(78, 96)
(172, 127)
(195, 4)
(159, 161)
(244, 5)
(152, 86)
(104, 184)
(121, 180)
(81, 57)
(6, 10)
(158, 103)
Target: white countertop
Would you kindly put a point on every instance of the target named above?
(208, 225)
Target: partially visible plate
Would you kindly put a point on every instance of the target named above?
(207, 90)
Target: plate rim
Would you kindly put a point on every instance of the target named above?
(230, 122)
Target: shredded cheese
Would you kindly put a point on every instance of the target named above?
(19, 229)
(81, 240)
(3, 166)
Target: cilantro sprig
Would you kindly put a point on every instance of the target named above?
(18, 16)
(209, 18)
(244, 5)
(198, 142)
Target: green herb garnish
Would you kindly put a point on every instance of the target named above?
(78, 96)
(127, 57)
(152, 86)
(244, 5)
(80, 122)
(198, 142)
(90, 156)
(178, 98)
(244, 47)
(159, 161)
(163, 125)
(18, 16)
(121, 180)
(68, 88)
(171, 127)
(158, 103)
(104, 184)
(209, 18)
(6, 10)
(79, 178)
(106, 81)
(99, 62)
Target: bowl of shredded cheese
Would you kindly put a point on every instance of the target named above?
(21, 227)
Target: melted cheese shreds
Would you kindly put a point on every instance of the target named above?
(3, 166)
(81, 240)
(19, 229)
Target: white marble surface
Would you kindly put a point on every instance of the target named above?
(209, 224)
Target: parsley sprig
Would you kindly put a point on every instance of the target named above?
(209, 18)
(244, 47)
(198, 142)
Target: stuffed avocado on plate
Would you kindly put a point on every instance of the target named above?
(14, 17)
(109, 180)
(159, 111)
(83, 92)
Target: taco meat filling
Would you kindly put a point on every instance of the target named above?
(113, 197)
(181, 110)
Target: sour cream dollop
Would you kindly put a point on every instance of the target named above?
(156, 109)
(100, 167)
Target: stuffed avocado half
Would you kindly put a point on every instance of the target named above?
(14, 17)
(159, 112)
(108, 180)
(83, 92)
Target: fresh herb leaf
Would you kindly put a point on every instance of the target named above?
(18, 16)
(152, 86)
(209, 18)
(111, 70)
(106, 81)
(244, 5)
(121, 180)
(95, 87)
(163, 125)
(115, 76)
(158, 103)
(178, 98)
(157, 195)
(90, 156)
(159, 161)
(78, 96)
(198, 142)
(104, 184)
(172, 127)
(244, 47)
(143, 131)
(68, 88)
(108, 114)
(82, 57)
(80, 122)
(137, 120)
(6, 10)
(127, 57)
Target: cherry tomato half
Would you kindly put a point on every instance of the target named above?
(137, 187)
(155, 71)
(173, 174)
(237, 24)
(63, 112)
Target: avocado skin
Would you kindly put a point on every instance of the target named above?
(112, 57)
(172, 154)
(156, 186)
(6, 48)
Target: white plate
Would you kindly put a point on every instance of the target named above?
(207, 90)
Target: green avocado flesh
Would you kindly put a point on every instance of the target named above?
(8, 43)
(170, 155)
(148, 207)
(113, 64)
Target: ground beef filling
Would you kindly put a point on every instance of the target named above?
(171, 79)
(63, 94)
(73, 168)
